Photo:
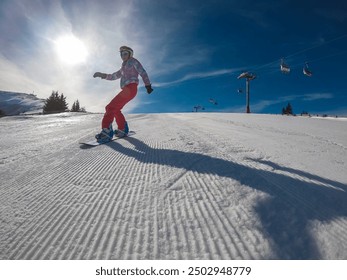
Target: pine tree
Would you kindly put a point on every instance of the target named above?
(76, 107)
(55, 103)
(63, 102)
(288, 110)
(73, 107)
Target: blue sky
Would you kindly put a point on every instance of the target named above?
(192, 51)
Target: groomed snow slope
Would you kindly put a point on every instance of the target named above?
(186, 186)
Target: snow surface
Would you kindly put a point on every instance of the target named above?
(15, 103)
(186, 186)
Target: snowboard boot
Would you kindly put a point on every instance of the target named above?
(105, 135)
(122, 133)
(126, 128)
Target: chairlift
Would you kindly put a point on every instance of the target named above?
(213, 101)
(198, 107)
(284, 67)
(306, 70)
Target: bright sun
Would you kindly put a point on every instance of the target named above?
(71, 50)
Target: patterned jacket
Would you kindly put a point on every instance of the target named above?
(129, 73)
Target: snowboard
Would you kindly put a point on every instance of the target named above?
(96, 143)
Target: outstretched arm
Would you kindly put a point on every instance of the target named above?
(139, 68)
(114, 76)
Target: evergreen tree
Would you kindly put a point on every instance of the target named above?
(73, 107)
(288, 110)
(55, 103)
(76, 107)
(63, 102)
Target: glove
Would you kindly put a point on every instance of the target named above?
(100, 75)
(149, 89)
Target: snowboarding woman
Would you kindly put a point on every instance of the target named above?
(129, 73)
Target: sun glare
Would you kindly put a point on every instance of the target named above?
(71, 50)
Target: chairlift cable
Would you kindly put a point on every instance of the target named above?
(317, 46)
(275, 62)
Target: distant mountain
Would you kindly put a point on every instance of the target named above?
(15, 103)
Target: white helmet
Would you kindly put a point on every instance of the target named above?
(127, 49)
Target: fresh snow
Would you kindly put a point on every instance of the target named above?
(15, 103)
(186, 186)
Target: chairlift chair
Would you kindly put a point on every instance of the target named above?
(306, 70)
(284, 67)
(213, 101)
(198, 107)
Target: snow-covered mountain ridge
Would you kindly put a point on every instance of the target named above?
(15, 103)
(186, 186)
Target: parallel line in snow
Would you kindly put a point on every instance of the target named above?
(245, 249)
(294, 196)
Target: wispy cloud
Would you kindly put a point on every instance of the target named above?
(317, 96)
(175, 46)
(263, 104)
(28, 62)
(197, 76)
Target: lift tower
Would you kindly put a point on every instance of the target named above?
(249, 77)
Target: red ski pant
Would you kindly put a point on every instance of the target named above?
(113, 109)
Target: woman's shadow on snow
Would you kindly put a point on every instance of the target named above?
(296, 196)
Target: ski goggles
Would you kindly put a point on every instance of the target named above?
(124, 53)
